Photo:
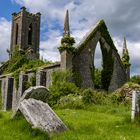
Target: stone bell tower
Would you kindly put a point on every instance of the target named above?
(25, 32)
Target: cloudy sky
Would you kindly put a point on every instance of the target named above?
(121, 16)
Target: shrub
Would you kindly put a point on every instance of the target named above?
(87, 96)
(71, 102)
(97, 79)
(61, 86)
(93, 96)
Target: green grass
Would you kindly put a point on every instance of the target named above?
(18, 129)
(94, 123)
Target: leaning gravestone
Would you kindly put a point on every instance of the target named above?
(135, 105)
(37, 92)
(41, 116)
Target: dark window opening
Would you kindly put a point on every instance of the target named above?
(16, 41)
(30, 35)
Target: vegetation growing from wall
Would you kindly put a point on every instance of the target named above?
(125, 59)
(67, 44)
(20, 62)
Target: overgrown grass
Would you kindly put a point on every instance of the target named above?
(95, 122)
(18, 129)
(99, 123)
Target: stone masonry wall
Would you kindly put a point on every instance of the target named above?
(84, 61)
(12, 94)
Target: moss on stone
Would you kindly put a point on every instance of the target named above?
(101, 27)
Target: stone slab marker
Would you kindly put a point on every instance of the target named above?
(23, 78)
(7, 92)
(41, 78)
(41, 116)
(135, 105)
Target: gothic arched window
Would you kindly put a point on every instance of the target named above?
(16, 39)
(30, 35)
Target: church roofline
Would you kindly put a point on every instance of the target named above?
(102, 28)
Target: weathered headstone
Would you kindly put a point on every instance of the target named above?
(37, 92)
(135, 104)
(41, 116)
(7, 92)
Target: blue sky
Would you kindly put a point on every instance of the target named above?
(122, 19)
(7, 7)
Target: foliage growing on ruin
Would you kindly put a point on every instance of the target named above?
(97, 79)
(67, 44)
(33, 80)
(61, 86)
(19, 62)
(125, 59)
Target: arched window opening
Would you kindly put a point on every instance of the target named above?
(98, 63)
(30, 35)
(16, 40)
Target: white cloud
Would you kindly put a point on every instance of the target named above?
(83, 14)
(5, 32)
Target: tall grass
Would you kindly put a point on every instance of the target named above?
(95, 122)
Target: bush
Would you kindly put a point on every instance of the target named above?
(92, 96)
(61, 86)
(97, 79)
(71, 102)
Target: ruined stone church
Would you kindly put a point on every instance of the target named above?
(80, 60)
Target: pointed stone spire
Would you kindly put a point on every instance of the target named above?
(66, 24)
(125, 50)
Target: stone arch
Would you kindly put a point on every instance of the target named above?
(112, 65)
(30, 31)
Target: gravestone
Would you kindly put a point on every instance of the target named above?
(135, 105)
(40, 115)
(41, 78)
(7, 93)
(37, 92)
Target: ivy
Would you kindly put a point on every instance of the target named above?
(67, 44)
(68, 40)
(125, 59)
